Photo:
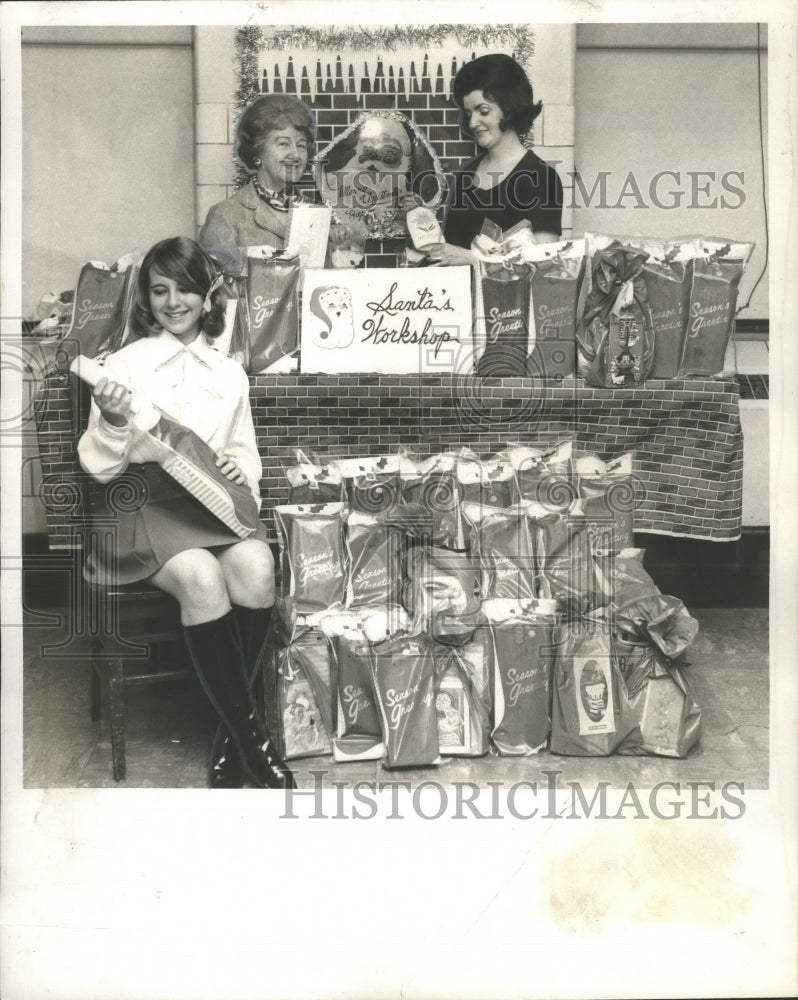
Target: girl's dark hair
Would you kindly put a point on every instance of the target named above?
(186, 263)
(503, 80)
(268, 113)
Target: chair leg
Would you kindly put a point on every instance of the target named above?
(116, 693)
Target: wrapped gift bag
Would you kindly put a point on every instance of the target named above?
(312, 558)
(358, 732)
(102, 298)
(372, 485)
(651, 638)
(544, 475)
(298, 695)
(713, 300)
(268, 314)
(607, 501)
(556, 274)
(668, 274)
(312, 483)
(591, 712)
(615, 334)
(503, 543)
(462, 699)
(403, 672)
(440, 582)
(524, 650)
(375, 561)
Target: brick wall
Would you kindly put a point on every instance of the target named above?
(685, 435)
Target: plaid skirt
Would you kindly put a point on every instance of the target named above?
(142, 519)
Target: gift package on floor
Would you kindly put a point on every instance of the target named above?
(531, 627)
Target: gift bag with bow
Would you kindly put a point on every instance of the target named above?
(651, 638)
(615, 333)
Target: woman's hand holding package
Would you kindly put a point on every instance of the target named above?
(229, 467)
(114, 401)
(448, 253)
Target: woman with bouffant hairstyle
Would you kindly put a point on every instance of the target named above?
(506, 182)
(223, 584)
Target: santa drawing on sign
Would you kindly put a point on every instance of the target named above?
(332, 305)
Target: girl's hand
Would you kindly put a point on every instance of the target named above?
(448, 253)
(229, 468)
(113, 401)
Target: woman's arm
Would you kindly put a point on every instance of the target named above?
(242, 446)
(104, 447)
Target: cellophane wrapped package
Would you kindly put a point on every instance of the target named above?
(501, 303)
(543, 475)
(358, 734)
(440, 582)
(431, 500)
(615, 333)
(491, 482)
(568, 572)
(557, 270)
(668, 274)
(523, 654)
(101, 302)
(504, 546)
(313, 483)
(607, 500)
(651, 639)
(403, 671)
(268, 314)
(713, 299)
(299, 689)
(375, 561)
(462, 700)
(629, 581)
(591, 712)
(372, 484)
(312, 558)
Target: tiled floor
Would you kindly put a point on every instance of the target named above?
(170, 726)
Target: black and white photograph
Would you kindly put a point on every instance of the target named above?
(398, 451)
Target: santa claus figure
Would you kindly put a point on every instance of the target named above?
(368, 170)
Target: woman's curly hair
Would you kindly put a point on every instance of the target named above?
(268, 113)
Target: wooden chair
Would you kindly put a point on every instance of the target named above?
(127, 628)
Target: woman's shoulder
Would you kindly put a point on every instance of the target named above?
(241, 199)
(530, 162)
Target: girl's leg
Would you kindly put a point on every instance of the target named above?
(196, 579)
(248, 568)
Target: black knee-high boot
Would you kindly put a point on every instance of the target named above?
(215, 651)
(225, 769)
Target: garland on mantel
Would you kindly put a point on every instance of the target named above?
(375, 42)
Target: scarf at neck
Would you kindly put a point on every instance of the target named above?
(279, 200)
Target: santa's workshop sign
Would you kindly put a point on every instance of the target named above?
(393, 321)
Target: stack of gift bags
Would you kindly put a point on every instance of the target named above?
(614, 310)
(458, 606)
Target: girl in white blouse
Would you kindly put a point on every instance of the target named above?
(224, 585)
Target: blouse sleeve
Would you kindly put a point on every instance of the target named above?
(104, 449)
(243, 442)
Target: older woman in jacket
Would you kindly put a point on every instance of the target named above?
(274, 141)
